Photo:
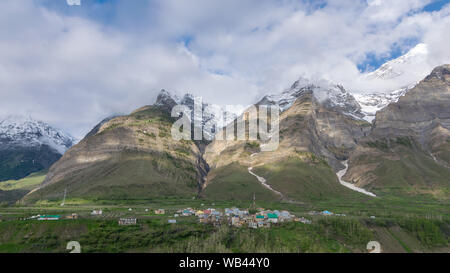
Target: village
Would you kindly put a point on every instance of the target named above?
(235, 217)
(242, 218)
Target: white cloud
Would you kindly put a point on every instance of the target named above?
(74, 70)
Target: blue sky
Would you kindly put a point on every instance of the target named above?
(136, 16)
(74, 65)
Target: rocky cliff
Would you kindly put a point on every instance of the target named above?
(408, 149)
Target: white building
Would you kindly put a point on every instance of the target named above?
(97, 212)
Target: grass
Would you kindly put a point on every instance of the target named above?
(233, 182)
(28, 183)
(153, 234)
(305, 181)
(405, 173)
(127, 176)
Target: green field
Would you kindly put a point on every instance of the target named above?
(399, 226)
(28, 183)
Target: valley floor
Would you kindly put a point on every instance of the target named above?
(399, 227)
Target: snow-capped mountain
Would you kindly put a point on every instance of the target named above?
(372, 103)
(26, 132)
(403, 73)
(332, 95)
(401, 66)
(211, 118)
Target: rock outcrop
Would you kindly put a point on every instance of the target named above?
(408, 148)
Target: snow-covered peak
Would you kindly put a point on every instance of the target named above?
(211, 118)
(393, 80)
(372, 103)
(165, 97)
(326, 92)
(24, 131)
(401, 66)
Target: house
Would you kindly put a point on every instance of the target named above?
(160, 211)
(253, 224)
(176, 215)
(228, 212)
(97, 212)
(303, 220)
(259, 217)
(235, 221)
(187, 212)
(285, 214)
(199, 213)
(172, 221)
(127, 221)
(272, 218)
(207, 211)
(48, 217)
(326, 213)
(73, 216)
(216, 214)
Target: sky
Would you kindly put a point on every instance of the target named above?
(72, 66)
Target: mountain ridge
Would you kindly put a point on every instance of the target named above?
(28, 145)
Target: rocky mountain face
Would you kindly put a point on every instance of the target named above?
(319, 126)
(210, 118)
(329, 94)
(28, 145)
(421, 110)
(403, 73)
(409, 142)
(404, 151)
(127, 157)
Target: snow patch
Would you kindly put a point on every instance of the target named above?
(27, 132)
(341, 174)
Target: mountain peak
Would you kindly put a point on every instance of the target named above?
(326, 92)
(166, 101)
(441, 72)
(25, 131)
(401, 65)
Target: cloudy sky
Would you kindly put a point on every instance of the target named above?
(74, 65)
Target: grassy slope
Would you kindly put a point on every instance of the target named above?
(13, 190)
(28, 183)
(306, 181)
(21, 162)
(233, 182)
(298, 180)
(154, 167)
(403, 171)
(130, 175)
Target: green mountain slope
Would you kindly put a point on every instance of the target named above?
(127, 157)
(19, 162)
